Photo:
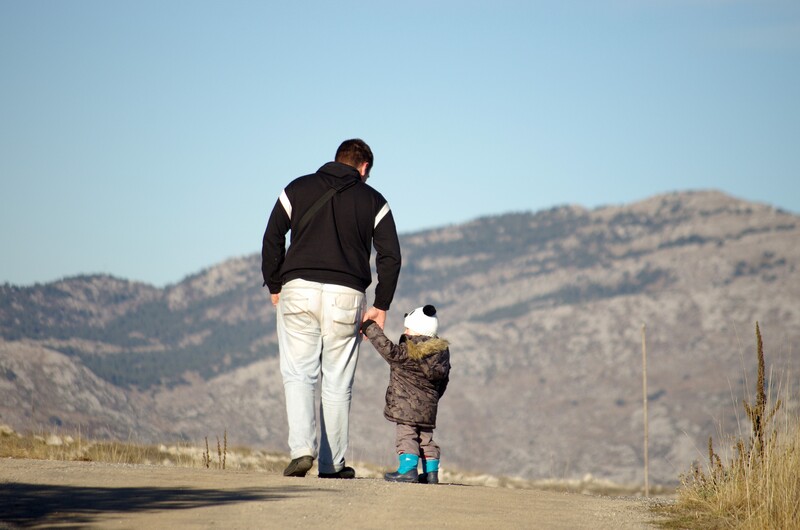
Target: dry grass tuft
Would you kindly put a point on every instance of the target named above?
(759, 488)
(66, 447)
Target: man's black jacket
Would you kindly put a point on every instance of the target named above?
(336, 243)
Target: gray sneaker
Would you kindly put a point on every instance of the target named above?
(298, 467)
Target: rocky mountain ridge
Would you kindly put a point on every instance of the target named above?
(544, 312)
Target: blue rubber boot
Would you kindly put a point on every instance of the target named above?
(407, 471)
(431, 472)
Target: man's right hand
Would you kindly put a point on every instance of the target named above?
(378, 315)
(275, 297)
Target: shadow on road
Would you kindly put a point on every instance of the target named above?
(30, 505)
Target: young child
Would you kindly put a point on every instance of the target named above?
(419, 373)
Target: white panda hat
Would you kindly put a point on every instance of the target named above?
(423, 321)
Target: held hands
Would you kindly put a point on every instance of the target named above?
(378, 315)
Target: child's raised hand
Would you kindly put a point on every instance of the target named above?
(365, 325)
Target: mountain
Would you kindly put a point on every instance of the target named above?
(545, 312)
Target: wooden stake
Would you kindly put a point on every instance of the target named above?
(644, 398)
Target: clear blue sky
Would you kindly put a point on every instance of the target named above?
(150, 139)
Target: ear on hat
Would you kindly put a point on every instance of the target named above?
(429, 310)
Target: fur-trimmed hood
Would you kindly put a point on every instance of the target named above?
(420, 346)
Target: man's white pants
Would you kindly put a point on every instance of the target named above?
(318, 333)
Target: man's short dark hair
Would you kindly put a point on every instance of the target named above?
(354, 152)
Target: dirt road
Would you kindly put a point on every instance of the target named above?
(57, 494)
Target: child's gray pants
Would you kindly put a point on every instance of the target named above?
(416, 441)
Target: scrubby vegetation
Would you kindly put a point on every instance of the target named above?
(758, 486)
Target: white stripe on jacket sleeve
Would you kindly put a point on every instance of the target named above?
(381, 214)
(287, 205)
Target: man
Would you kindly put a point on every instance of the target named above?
(318, 287)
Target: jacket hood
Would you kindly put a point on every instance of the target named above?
(419, 349)
(342, 174)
